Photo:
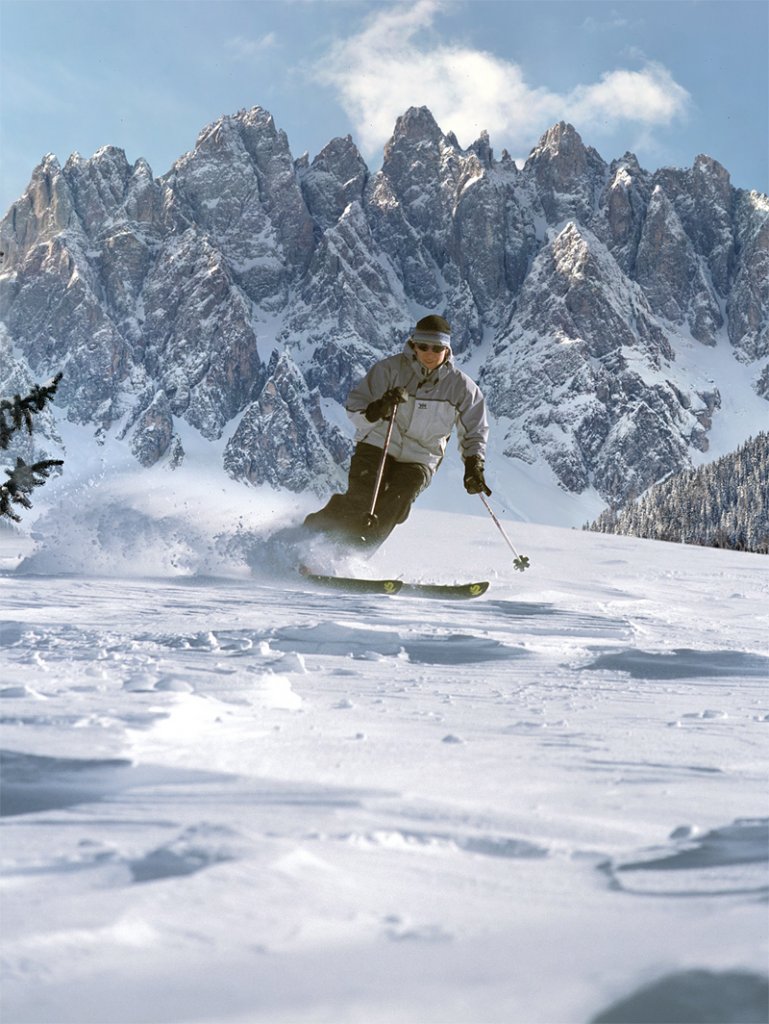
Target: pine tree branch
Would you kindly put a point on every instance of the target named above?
(22, 479)
(17, 412)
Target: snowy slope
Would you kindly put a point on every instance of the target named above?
(232, 800)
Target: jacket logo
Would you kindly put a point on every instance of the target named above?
(421, 405)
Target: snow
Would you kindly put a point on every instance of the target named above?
(230, 799)
(742, 413)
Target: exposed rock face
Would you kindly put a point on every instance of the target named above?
(246, 287)
(567, 175)
(154, 432)
(283, 438)
(200, 342)
(748, 299)
(573, 375)
(670, 272)
(336, 178)
(239, 187)
(621, 211)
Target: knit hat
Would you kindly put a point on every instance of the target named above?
(432, 330)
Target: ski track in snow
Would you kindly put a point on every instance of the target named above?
(231, 800)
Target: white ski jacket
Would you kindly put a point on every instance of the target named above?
(438, 401)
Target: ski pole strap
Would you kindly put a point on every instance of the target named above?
(521, 561)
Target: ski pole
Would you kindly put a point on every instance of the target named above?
(520, 562)
(371, 518)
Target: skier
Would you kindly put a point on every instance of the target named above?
(428, 396)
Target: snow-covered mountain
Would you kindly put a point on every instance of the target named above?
(617, 319)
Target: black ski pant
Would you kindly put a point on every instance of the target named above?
(345, 516)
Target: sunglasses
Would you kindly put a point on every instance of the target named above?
(429, 348)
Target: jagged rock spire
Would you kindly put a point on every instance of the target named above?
(246, 288)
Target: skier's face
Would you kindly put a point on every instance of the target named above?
(428, 357)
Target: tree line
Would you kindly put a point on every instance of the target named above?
(724, 504)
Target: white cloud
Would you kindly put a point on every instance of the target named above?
(650, 96)
(394, 63)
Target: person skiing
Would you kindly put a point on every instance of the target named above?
(409, 404)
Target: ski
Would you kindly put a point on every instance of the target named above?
(355, 585)
(445, 591)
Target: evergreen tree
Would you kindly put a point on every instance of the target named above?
(724, 504)
(15, 414)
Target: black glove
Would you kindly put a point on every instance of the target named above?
(382, 408)
(474, 481)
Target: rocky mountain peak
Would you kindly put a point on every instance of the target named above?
(482, 149)
(622, 209)
(106, 189)
(43, 211)
(562, 150)
(416, 126)
(711, 169)
(240, 185)
(567, 174)
(244, 292)
(624, 172)
(336, 177)
(669, 270)
(413, 155)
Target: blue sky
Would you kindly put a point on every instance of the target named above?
(665, 79)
